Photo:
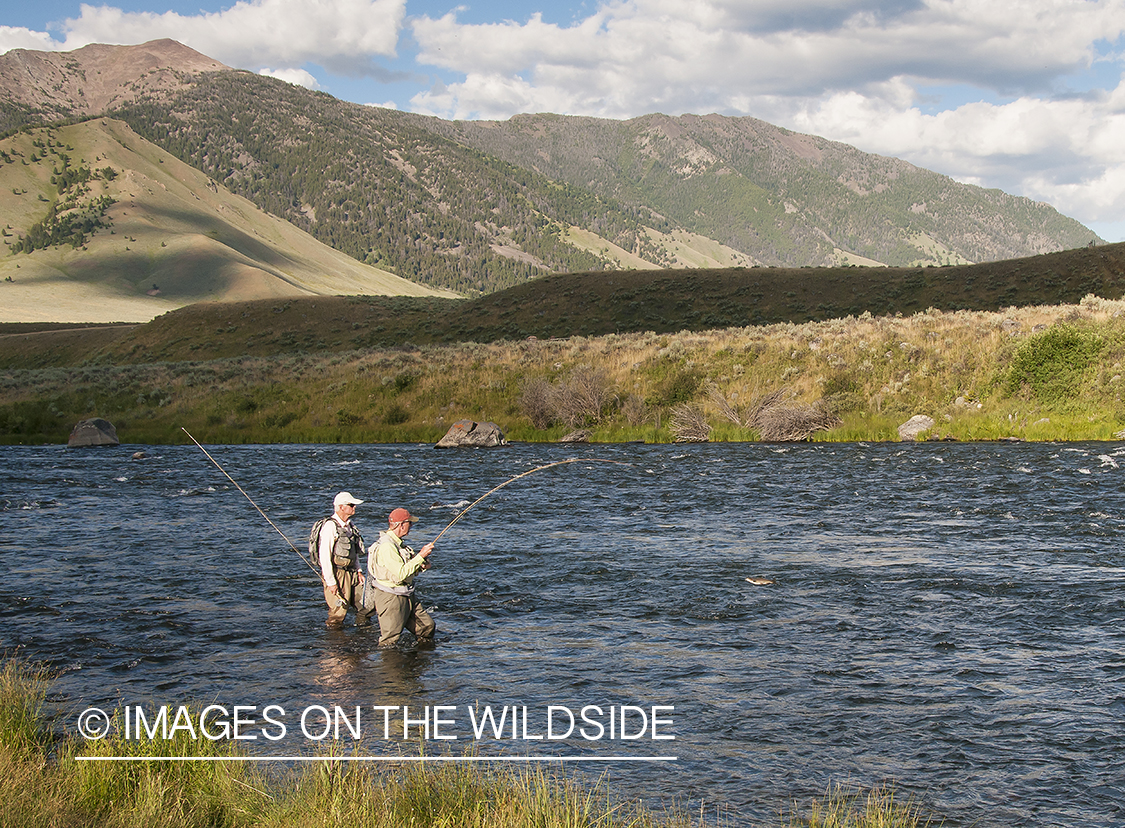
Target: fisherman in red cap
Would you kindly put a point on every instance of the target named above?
(389, 592)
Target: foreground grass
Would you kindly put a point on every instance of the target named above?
(43, 782)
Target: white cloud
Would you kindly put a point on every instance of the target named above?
(683, 55)
(345, 34)
(17, 37)
(297, 77)
(850, 70)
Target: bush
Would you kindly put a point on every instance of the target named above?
(1050, 364)
(582, 397)
(535, 402)
(578, 400)
(688, 425)
(778, 419)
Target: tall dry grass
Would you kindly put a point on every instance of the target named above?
(861, 376)
(48, 782)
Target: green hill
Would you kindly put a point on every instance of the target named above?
(580, 304)
(783, 197)
(102, 226)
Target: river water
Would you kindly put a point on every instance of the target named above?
(945, 617)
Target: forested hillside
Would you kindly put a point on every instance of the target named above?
(372, 184)
(784, 197)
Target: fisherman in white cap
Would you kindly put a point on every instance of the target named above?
(339, 547)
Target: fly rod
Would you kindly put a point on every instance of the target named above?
(517, 477)
(255, 505)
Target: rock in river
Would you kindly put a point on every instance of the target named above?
(472, 433)
(95, 432)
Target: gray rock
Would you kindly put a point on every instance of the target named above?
(472, 433)
(580, 436)
(95, 432)
(915, 426)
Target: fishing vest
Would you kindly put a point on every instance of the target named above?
(346, 548)
(382, 574)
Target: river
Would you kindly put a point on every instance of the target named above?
(944, 617)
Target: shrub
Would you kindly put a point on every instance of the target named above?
(778, 419)
(688, 425)
(635, 410)
(396, 415)
(680, 386)
(1050, 364)
(535, 402)
(582, 397)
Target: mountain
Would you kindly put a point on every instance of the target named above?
(111, 228)
(95, 78)
(784, 197)
(479, 206)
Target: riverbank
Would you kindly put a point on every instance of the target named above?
(46, 779)
(1035, 373)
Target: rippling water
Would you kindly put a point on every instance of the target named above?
(944, 616)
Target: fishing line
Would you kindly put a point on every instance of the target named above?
(517, 477)
(255, 505)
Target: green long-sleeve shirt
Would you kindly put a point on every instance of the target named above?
(392, 564)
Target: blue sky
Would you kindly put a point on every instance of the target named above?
(1023, 95)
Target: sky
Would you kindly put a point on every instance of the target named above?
(1027, 96)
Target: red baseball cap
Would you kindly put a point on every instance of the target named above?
(400, 515)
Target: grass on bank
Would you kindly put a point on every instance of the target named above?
(43, 783)
(1039, 373)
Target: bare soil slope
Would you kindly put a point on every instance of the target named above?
(95, 78)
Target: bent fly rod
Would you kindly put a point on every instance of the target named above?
(517, 477)
(255, 505)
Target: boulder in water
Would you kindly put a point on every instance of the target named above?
(472, 433)
(93, 432)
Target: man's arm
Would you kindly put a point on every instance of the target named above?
(324, 548)
(398, 570)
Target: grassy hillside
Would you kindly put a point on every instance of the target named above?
(402, 369)
(100, 225)
(586, 304)
(369, 182)
(1053, 372)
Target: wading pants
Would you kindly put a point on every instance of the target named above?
(399, 612)
(348, 582)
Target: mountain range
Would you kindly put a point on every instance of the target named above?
(187, 180)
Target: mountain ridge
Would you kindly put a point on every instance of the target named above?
(98, 77)
(476, 207)
(787, 165)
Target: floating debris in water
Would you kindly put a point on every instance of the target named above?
(759, 581)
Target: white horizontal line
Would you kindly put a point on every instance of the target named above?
(376, 758)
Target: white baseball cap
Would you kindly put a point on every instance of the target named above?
(346, 499)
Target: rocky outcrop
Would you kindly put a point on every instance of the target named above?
(472, 433)
(95, 432)
(916, 425)
(580, 436)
